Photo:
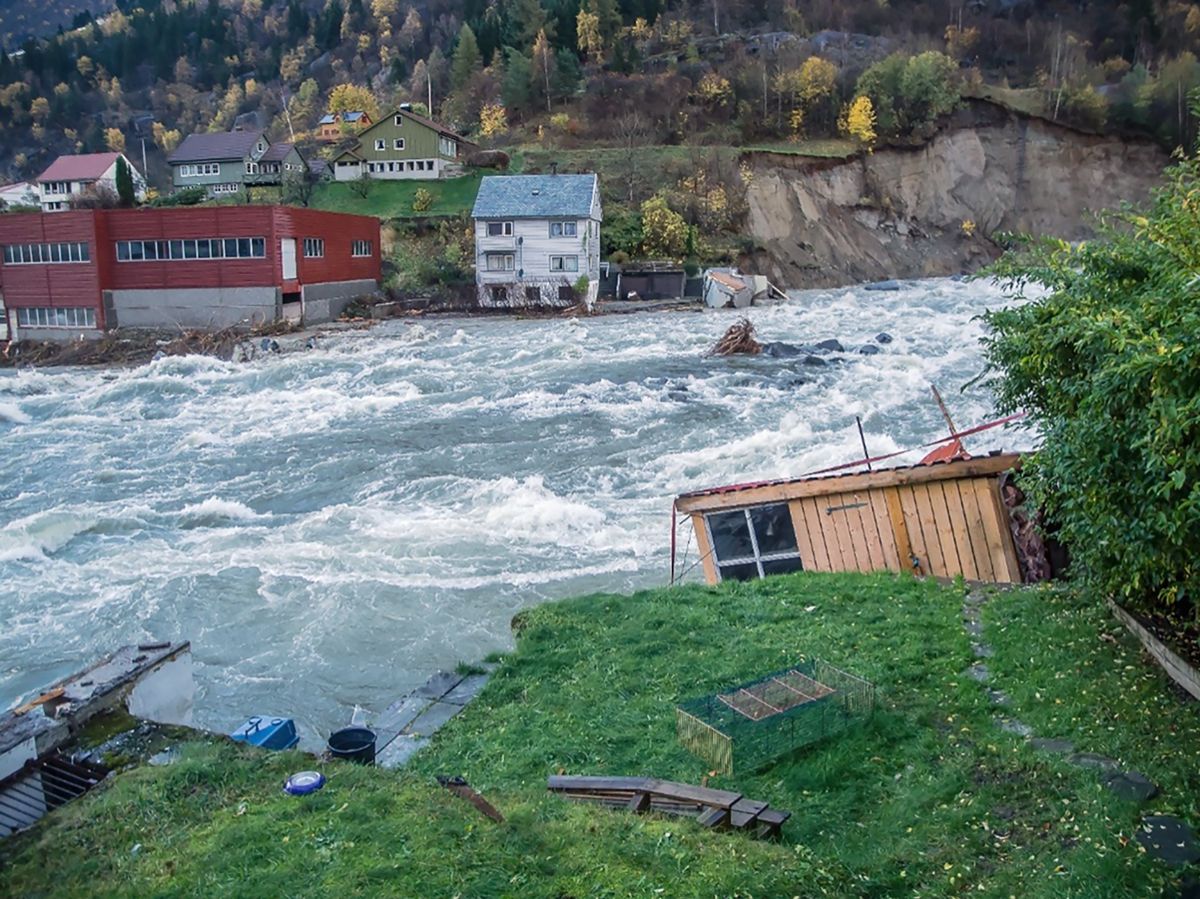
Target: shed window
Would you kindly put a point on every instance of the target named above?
(753, 543)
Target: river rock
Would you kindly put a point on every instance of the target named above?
(782, 350)
(883, 337)
(868, 349)
(831, 346)
(883, 285)
(815, 360)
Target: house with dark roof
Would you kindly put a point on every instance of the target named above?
(537, 240)
(403, 145)
(69, 177)
(330, 127)
(227, 162)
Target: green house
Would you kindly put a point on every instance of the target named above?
(226, 162)
(403, 145)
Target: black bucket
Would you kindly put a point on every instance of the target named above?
(354, 744)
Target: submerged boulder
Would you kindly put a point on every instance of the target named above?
(869, 349)
(832, 345)
(883, 337)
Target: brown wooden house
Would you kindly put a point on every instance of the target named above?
(944, 519)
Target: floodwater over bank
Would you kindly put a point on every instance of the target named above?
(329, 527)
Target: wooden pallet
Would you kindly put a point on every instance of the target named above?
(711, 808)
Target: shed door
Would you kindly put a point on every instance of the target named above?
(287, 256)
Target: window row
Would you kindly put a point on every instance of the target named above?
(314, 247)
(33, 253)
(231, 187)
(397, 144)
(361, 248)
(199, 248)
(196, 170)
(404, 165)
(45, 317)
(557, 229)
(564, 263)
(56, 187)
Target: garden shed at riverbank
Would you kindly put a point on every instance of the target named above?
(946, 519)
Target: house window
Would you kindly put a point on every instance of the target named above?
(251, 168)
(399, 120)
(197, 248)
(448, 147)
(380, 144)
(499, 262)
(46, 317)
(42, 253)
(201, 169)
(499, 294)
(564, 263)
(314, 247)
(533, 295)
(563, 229)
(232, 187)
(398, 144)
(360, 248)
(753, 543)
(499, 229)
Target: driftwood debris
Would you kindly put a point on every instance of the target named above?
(738, 339)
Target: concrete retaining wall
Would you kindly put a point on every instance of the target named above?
(325, 302)
(205, 308)
(58, 335)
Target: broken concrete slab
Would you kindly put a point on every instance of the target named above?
(400, 750)
(467, 689)
(1093, 760)
(1050, 744)
(439, 685)
(1013, 726)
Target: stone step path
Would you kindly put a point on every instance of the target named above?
(1164, 837)
(408, 724)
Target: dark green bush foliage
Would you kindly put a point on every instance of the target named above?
(185, 196)
(1107, 365)
(909, 93)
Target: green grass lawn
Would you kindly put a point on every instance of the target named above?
(393, 199)
(929, 798)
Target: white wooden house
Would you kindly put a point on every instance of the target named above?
(74, 176)
(537, 240)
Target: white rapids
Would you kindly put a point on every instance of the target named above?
(329, 527)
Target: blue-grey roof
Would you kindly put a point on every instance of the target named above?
(535, 196)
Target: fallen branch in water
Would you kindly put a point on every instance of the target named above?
(738, 339)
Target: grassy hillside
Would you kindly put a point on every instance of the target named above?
(930, 798)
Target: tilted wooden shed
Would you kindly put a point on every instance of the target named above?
(943, 519)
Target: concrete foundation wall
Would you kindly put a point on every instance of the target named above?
(58, 335)
(206, 308)
(325, 302)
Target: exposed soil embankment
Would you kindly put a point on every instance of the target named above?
(899, 212)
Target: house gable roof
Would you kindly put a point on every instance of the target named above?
(328, 119)
(728, 281)
(420, 120)
(216, 146)
(278, 152)
(85, 167)
(535, 196)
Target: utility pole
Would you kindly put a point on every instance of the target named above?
(429, 86)
(287, 113)
(145, 171)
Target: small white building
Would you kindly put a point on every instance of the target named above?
(723, 289)
(537, 240)
(73, 176)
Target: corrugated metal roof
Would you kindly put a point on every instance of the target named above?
(728, 280)
(85, 167)
(215, 147)
(535, 196)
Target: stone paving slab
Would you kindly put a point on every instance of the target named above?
(400, 750)
(408, 723)
(1169, 839)
(1131, 785)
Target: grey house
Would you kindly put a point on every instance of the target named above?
(227, 162)
(537, 239)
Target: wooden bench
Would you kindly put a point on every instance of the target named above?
(711, 808)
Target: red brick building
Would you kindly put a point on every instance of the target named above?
(89, 271)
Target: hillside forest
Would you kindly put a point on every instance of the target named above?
(826, 77)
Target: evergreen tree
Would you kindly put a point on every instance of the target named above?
(125, 191)
(525, 18)
(467, 61)
(517, 85)
(610, 18)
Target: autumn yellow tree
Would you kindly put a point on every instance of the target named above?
(167, 139)
(714, 91)
(664, 232)
(114, 140)
(587, 26)
(39, 110)
(493, 120)
(858, 121)
(817, 79)
(353, 98)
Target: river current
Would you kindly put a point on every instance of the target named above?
(329, 527)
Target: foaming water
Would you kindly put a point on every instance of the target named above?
(329, 527)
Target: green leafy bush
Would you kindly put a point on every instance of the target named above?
(910, 93)
(1107, 364)
(422, 200)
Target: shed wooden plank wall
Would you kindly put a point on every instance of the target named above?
(941, 526)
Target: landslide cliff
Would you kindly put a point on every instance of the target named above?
(899, 212)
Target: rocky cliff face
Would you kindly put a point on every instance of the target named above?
(899, 213)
